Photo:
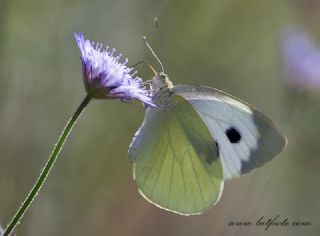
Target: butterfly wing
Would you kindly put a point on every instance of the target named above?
(246, 138)
(176, 165)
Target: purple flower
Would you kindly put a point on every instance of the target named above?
(105, 77)
(301, 59)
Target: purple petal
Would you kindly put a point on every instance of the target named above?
(106, 77)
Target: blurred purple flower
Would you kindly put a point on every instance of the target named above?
(105, 77)
(301, 59)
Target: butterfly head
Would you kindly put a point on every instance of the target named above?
(161, 81)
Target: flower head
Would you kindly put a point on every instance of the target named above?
(105, 77)
(301, 59)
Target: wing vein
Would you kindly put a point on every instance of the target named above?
(195, 174)
(172, 165)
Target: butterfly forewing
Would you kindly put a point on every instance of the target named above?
(176, 162)
(245, 137)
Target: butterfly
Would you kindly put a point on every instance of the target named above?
(196, 138)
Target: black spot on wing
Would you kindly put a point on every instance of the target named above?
(233, 135)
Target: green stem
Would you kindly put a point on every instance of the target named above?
(45, 172)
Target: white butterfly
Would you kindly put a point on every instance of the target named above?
(194, 139)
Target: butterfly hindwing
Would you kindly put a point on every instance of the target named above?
(245, 137)
(176, 165)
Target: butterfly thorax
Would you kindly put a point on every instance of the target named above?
(161, 90)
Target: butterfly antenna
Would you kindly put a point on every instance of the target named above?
(147, 63)
(153, 53)
(156, 24)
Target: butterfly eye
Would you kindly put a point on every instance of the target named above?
(233, 135)
(163, 77)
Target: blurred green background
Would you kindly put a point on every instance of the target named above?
(231, 45)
